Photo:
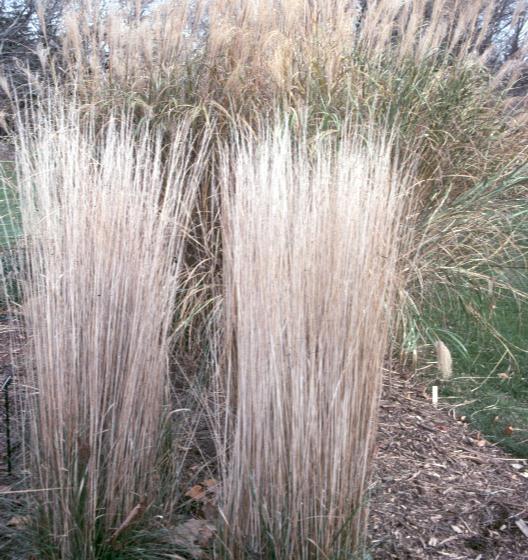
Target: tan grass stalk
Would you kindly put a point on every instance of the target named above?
(104, 217)
(310, 252)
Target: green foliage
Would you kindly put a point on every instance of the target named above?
(9, 224)
(9, 233)
(470, 290)
(490, 356)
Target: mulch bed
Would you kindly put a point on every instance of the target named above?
(440, 490)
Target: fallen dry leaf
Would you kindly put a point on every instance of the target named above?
(210, 511)
(508, 430)
(503, 376)
(197, 492)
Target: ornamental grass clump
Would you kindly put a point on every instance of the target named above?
(276, 252)
(312, 238)
(105, 220)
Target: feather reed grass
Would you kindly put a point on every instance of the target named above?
(311, 246)
(105, 219)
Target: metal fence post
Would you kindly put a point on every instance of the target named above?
(5, 389)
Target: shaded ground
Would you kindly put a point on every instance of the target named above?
(440, 490)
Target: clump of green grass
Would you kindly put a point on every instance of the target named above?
(9, 231)
(470, 292)
(9, 219)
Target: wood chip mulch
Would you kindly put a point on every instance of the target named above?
(440, 490)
